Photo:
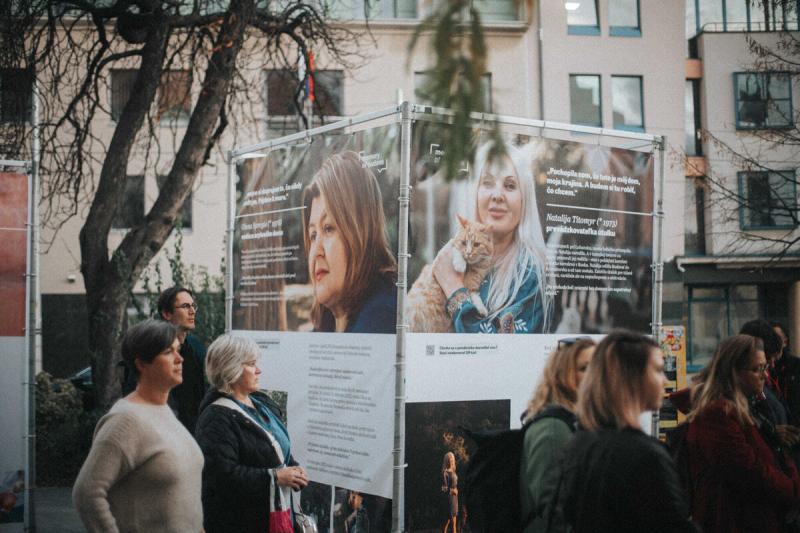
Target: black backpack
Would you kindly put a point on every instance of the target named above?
(678, 446)
(491, 488)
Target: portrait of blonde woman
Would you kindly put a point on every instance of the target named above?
(502, 195)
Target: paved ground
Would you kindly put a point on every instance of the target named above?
(55, 512)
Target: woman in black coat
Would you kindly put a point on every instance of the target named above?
(249, 469)
(614, 477)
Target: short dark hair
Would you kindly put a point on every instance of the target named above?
(776, 324)
(166, 300)
(762, 330)
(145, 340)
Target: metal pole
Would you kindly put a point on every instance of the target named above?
(229, 235)
(658, 261)
(398, 495)
(34, 312)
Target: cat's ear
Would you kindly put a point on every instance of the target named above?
(461, 220)
(489, 227)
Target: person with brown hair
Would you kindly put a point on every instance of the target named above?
(350, 264)
(615, 477)
(741, 482)
(144, 470)
(550, 414)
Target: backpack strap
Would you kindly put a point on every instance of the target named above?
(559, 412)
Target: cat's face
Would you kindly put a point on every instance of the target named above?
(474, 241)
(499, 197)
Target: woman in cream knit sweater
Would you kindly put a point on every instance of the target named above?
(144, 471)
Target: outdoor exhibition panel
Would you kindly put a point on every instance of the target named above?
(15, 264)
(374, 401)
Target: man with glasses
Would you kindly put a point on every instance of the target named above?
(176, 305)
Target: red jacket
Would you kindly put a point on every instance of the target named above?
(738, 483)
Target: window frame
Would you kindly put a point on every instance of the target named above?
(766, 75)
(745, 199)
(699, 205)
(600, 100)
(625, 127)
(187, 209)
(486, 78)
(627, 31)
(114, 220)
(25, 114)
(586, 29)
(281, 119)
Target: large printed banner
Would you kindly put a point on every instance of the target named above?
(315, 271)
(13, 308)
(550, 239)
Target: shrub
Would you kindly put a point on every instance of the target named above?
(63, 431)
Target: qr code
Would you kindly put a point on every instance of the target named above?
(430, 349)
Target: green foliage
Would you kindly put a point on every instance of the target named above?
(209, 291)
(459, 50)
(63, 431)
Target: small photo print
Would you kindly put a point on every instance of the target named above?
(12, 497)
(359, 512)
(438, 454)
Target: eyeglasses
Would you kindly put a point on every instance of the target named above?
(569, 341)
(186, 307)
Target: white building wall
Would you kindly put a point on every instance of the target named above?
(724, 54)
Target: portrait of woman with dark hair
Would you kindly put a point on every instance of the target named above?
(350, 263)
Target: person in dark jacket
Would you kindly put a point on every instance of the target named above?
(249, 466)
(741, 482)
(615, 478)
(787, 372)
(549, 432)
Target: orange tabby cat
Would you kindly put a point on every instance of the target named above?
(472, 255)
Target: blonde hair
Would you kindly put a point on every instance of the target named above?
(225, 359)
(446, 461)
(353, 199)
(528, 252)
(558, 384)
(610, 394)
(733, 355)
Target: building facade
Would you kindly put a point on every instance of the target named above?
(610, 63)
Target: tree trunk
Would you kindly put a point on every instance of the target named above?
(108, 281)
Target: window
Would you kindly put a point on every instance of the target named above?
(623, 18)
(174, 100)
(131, 210)
(584, 100)
(626, 101)
(173, 93)
(422, 78)
(16, 90)
(184, 219)
(694, 218)
(582, 17)
(693, 144)
(497, 10)
(763, 100)
(769, 199)
(121, 89)
(719, 311)
(377, 10)
(328, 92)
(741, 15)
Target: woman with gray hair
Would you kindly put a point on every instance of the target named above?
(249, 470)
